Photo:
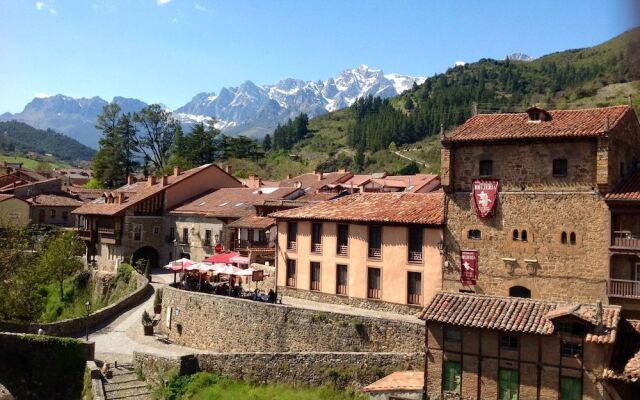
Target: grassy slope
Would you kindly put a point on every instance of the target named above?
(32, 163)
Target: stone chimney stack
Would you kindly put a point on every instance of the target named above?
(176, 171)
(228, 169)
(131, 179)
(151, 180)
(288, 176)
(254, 182)
(120, 197)
(343, 169)
(318, 174)
(164, 180)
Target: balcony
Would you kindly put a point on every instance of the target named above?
(373, 293)
(375, 252)
(293, 246)
(415, 256)
(625, 240)
(624, 289)
(85, 234)
(316, 247)
(109, 236)
(342, 250)
(414, 298)
(250, 244)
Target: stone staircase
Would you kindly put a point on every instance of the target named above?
(124, 384)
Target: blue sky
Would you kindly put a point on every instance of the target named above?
(168, 50)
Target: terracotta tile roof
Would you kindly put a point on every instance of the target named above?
(253, 222)
(625, 357)
(404, 208)
(315, 197)
(136, 193)
(231, 202)
(26, 185)
(563, 124)
(410, 183)
(4, 197)
(401, 381)
(514, 314)
(84, 194)
(627, 190)
(54, 200)
(310, 182)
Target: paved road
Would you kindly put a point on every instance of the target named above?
(117, 340)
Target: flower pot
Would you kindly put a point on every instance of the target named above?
(157, 309)
(148, 330)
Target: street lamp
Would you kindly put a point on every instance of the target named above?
(87, 307)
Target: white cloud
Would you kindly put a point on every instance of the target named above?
(53, 11)
(460, 64)
(162, 2)
(199, 7)
(40, 5)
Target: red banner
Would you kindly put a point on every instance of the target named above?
(468, 267)
(485, 196)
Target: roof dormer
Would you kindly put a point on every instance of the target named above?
(537, 114)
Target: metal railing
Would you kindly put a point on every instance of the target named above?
(375, 252)
(413, 298)
(415, 256)
(624, 288)
(341, 289)
(316, 247)
(315, 285)
(373, 293)
(291, 281)
(342, 250)
(626, 239)
(292, 245)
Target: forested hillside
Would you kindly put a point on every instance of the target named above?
(366, 135)
(18, 137)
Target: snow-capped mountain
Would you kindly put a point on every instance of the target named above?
(520, 57)
(255, 110)
(247, 109)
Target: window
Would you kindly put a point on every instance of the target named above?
(571, 349)
(52, 213)
(137, 232)
(474, 234)
(316, 237)
(315, 276)
(452, 335)
(375, 241)
(515, 235)
(508, 384)
(509, 342)
(156, 230)
(291, 273)
(207, 237)
(570, 389)
(415, 244)
(523, 236)
(486, 168)
(571, 328)
(560, 167)
(572, 238)
(341, 279)
(373, 283)
(65, 215)
(185, 235)
(172, 233)
(292, 236)
(519, 291)
(343, 240)
(452, 376)
(563, 238)
(414, 288)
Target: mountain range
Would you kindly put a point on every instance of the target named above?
(247, 109)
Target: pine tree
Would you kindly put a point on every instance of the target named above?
(108, 164)
(266, 142)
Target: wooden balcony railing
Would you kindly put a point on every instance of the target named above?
(250, 244)
(342, 250)
(375, 252)
(291, 282)
(415, 256)
(109, 237)
(626, 240)
(341, 289)
(316, 247)
(84, 234)
(292, 245)
(624, 288)
(413, 298)
(106, 230)
(373, 293)
(315, 285)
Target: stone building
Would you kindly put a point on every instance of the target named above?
(547, 235)
(198, 225)
(374, 250)
(14, 212)
(130, 223)
(53, 209)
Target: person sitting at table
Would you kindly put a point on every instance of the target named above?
(272, 296)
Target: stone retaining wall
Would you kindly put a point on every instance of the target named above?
(68, 327)
(313, 368)
(225, 324)
(349, 301)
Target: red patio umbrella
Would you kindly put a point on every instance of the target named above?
(224, 258)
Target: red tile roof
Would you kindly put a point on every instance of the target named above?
(403, 208)
(231, 202)
(514, 314)
(253, 222)
(54, 200)
(311, 182)
(625, 357)
(563, 124)
(627, 190)
(400, 381)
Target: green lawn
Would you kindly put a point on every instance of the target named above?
(206, 386)
(31, 163)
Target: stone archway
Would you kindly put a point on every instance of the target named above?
(148, 253)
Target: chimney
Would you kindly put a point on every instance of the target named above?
(343, 169)
(151, 180)
(165, 180)
(441, 131)
(606, 124)
(131, 179)
(254, 182)
(288, 176)
(318, 174)
(599, 326)
(176, 171)
(228, 169)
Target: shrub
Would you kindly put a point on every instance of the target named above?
(146, 319)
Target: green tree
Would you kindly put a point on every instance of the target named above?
(408, 104)
(266, 142)
(156, 130)
(201, 143)
(358, 159)
(127, 132)
(108, 164)
(60, 257)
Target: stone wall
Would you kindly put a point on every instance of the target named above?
(225, 324)
(68, 327)
(555, 270)
(43, 367)
(343, 369)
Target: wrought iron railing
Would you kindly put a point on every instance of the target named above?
(375, 252)
(342, 249)
(316, 247)
(292, 245)
(415, 256)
